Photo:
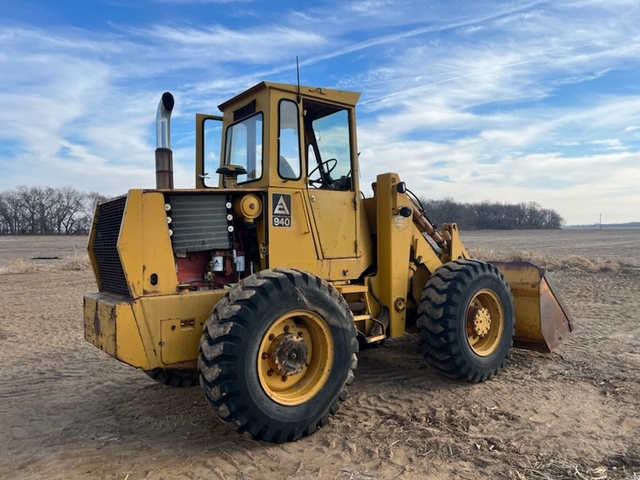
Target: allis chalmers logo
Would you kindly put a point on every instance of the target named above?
(281, 209)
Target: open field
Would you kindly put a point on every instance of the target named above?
(67, 410)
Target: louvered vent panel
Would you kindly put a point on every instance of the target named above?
(199, 222)
(105, 238)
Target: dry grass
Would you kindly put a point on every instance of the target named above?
(558, 467)
(76, 262)
(80, 261)
(569, 262)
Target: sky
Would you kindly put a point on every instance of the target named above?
(507, 101)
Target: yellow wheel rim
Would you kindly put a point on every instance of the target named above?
(295, 357)
(485, 322)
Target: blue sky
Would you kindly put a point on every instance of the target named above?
(506, 101)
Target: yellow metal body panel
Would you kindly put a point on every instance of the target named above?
(342, 97)
(334, 215)
(144, 245)
(151, 332)
(456, 250)
(293, 244)
(188, 311)
(394, 233)
(179, 339)
(301, 244)
(542, 320)
(110, 324)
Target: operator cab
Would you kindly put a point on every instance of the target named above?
(280, 135)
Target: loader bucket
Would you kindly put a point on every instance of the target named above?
(542, 320)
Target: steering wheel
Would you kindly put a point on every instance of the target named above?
(325, 168)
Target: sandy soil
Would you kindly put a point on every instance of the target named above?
(67, 410)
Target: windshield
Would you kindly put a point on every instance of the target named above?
(332, 139)
(327, 133)
(244, 147)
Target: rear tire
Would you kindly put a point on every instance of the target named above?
(174, 378)
(277, 353)
(466, 320)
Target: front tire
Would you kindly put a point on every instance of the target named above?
(277, 353)
(466, 320)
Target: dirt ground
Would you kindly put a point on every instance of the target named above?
(67, 410)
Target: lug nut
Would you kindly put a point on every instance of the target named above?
(286, 329)
(265, 355)
(272, 336)
(284, 378)
(269, 372)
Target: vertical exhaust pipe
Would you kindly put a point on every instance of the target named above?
(164, 155)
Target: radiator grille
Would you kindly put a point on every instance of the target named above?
(199, 222)
(105, 238)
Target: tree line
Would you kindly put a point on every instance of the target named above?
(492, 215)
(47, 211)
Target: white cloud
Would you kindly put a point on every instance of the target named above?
(497, 100)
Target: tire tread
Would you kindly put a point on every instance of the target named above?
(235, 311)
(438, 335)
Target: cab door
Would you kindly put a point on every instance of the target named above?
(335, 220)
(331, 194)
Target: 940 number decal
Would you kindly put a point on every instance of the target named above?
(281, 209)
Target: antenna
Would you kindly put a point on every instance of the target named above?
(298, 75)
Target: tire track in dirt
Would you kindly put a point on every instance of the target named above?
(68, 410)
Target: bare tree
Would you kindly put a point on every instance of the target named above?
(492, 215)
(70, 209)
(47, 210)
(16, 213)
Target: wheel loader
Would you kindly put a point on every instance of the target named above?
(263, 281)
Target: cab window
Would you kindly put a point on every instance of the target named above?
(288, 141)
(244, 147)
(327, 135)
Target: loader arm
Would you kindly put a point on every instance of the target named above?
(406, 258)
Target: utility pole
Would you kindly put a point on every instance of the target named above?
(600, 221)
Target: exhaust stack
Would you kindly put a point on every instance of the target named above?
(164, 155)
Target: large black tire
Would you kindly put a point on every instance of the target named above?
(466, 320)
(277, 353)
(174, 378)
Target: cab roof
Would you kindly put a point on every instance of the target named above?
(342, 97)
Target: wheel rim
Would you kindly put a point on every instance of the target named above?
(485, 322)
(295, 357)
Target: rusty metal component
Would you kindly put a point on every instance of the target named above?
(288, 354)
(542, 320)
(400, 304)
(425, 225)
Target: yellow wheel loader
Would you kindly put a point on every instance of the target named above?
(262, 282)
